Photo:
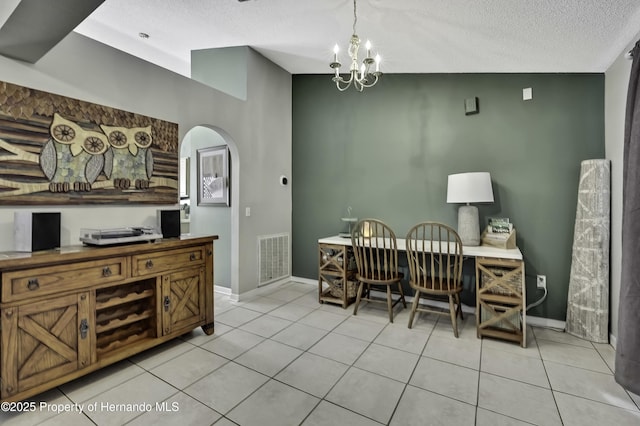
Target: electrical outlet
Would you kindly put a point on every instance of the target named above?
(542, 281)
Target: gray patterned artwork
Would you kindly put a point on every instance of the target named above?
(588, 298)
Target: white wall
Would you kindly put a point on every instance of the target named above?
(259, 129)
(616, 84)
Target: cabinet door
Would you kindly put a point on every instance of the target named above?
(183, 300)
(45, 340)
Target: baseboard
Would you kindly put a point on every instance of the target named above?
(545, 322)
(613, 341)
(304, 280)
(222, 290)
(258, 291)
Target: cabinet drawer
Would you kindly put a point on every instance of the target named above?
(500, 276)
(154, 263)
(24, 284)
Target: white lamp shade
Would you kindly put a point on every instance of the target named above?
(472, 187)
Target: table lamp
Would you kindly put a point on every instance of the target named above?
(469, 188)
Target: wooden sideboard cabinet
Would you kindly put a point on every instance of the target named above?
(67, 312)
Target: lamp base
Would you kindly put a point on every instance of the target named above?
(468, 225)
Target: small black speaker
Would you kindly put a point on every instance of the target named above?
(36, 231)
(169, 223)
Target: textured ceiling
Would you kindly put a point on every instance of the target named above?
(412, 36)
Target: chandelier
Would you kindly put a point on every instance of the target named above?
(360, 75)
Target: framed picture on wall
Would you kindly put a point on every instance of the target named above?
(183, 180)
(213, 176)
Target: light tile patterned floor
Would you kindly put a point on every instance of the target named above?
(284, 359)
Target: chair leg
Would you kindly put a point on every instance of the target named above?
(454, 316)
(404, 303)
(414, 306)
(359, 295)
(389, 303)
(459, 306)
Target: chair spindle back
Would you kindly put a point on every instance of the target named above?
(434, 253)
(375, 250)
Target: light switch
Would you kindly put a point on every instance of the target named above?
(247, 211)
(527, 94)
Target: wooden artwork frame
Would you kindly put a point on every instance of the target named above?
(185, 180)
(213, 176)
(56, 150)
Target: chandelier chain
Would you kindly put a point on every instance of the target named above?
(355, 16)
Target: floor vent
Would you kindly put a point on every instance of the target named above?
(273, 258)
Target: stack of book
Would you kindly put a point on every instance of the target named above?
(499, 233)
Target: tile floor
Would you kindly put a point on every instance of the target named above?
(284, 359)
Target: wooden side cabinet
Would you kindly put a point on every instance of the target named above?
(336, 274)
(501, 299)
(65, 313)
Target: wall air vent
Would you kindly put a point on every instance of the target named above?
(273, 258)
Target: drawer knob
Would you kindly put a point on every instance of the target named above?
(33, 284)
(106, 271)
(149, 264)
(192, 257)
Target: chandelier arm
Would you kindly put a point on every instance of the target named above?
(351, 79)
(343, 88)
(347, 83)
(373, 83)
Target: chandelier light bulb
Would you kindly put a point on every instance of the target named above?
(368, 46)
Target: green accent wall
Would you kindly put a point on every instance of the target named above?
(387, 152)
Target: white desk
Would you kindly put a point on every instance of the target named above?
(469, 251)
(497, 314)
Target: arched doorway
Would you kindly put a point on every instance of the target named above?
(213, 220)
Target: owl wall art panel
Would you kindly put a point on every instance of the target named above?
(56, 150)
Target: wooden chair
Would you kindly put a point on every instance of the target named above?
(434, 253)
(376, 252)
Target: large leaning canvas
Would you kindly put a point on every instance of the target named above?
(56, 150)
